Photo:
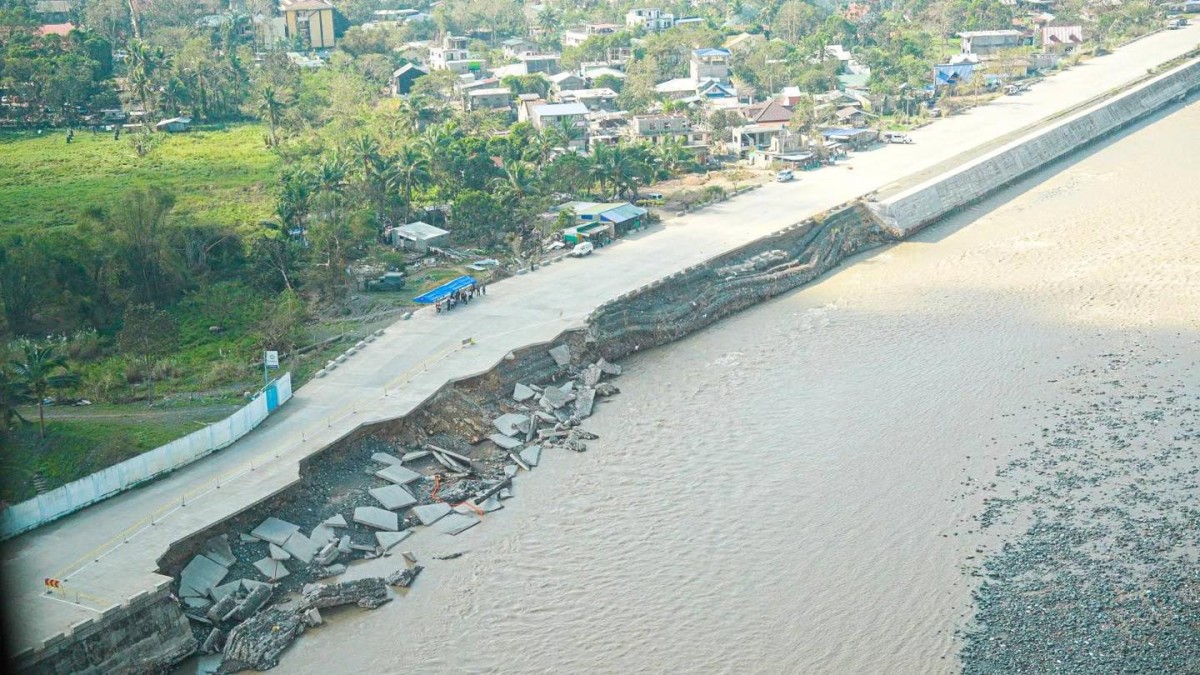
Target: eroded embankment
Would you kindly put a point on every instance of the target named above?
(459, 416)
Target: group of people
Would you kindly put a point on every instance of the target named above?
(460, 297)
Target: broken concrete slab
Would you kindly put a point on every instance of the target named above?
(247, 538)
(404, 577)
(510, 470)
(312, 617)
(389, 539)
(555, 398)
(429, 514)
(327, 555)
(344, 544)
(392, 497)
(201, 575)
(567, 387)
(323, 534)
(277, 553)
(511, 424)
(335, 521)
(506, 493)
(521, 393)
(491, 504)
(197, 603)
(504, 442)
(456, 523)
(398, 474)
(384, 458)
(415, 455)
(217, 549)
(368, 593)
(531, 455)
(591, 376)
(250, 584)
(207, 665)
(330, 571)
(608, 368)
(373, 516)
(584, 402)
(546, 417)
(226, 604)
(271, 569)
(219, 593)
(607, 389)
(561, 354)
(274, 530)
(301, 547)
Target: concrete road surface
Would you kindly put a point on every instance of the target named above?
(107, 552)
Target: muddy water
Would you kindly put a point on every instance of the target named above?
(790, 491)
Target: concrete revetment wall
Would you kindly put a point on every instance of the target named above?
(147, 634)
(930, 201)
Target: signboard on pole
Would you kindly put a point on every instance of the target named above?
(271, 359)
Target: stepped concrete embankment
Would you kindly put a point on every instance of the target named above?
(928, 202)
(706, 289)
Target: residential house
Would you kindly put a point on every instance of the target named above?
(306, 61)
(174, 125)
(855, 138)
(454, 56)
(601, 222)
(770, 111)
(710, 63)
(607, 128)
(418, 236)
(652, 20)
(744, 42)
(269, 32)
(309, 22)
(540, 63)
(988, 42)
(656, 129)
(53, 11)
(951, 74)
(590, 75)
(573, 37)
(565, 81)
(404, 77)
(689, 21)
(851, 116)
(601, 99)
(1061, 38)
(488, 98)
(550, 115)
(525, 105)
(514, 47)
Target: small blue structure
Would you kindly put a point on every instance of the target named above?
(445, 290)
(947, 74)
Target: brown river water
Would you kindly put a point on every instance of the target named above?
(789, 491)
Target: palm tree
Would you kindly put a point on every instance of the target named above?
(270, 110)
(12, 393)
(519, 182)
(414, 112)
(410, 167)
(672, 156)
(603, 169)
(40, 370)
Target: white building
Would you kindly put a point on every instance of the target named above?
(650, 19)
(453, 55)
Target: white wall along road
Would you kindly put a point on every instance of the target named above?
(107, 552)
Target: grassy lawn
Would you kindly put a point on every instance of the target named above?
(74, 448)
(217, 175)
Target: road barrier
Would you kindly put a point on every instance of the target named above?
(120, 477)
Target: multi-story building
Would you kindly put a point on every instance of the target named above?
(454, 56)
(987, 42)
(309, 22)
(651, 19)
(573, 37)
(710, 63)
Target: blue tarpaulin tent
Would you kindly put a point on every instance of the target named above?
(445, 290)
(952, 74)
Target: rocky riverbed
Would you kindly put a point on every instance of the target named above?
(1105, 497)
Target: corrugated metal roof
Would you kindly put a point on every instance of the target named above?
(556, 109)
(1062, 35)
(420, 231)
(623, 213)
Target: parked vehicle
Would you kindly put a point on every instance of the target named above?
(896, 137)
(785, 176)
(583, 249)
(1176, 23)
(392, 281)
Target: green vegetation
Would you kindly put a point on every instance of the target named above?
(219, 175)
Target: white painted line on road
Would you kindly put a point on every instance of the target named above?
(68, 602)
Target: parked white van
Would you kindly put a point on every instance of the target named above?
(896, 137)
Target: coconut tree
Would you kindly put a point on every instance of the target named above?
(270, 110)
(409, 168)
(39, 370)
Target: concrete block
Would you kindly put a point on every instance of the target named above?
(201, 574)
(344, 544)
(504, 441)
(555, 398)
(510, 470)
(384, 458)
(393, 497)
(301, 547)
(274, 530)
(414, 456)
(250, 584)
(248, 538)
(584, 403)
(271, 569)
(429, 514)
(322, 534)
(321, 373)
(561, 354)
(208, 665)
(217, 549)
(389, 539)
(219, 592)
(531, 455)
(335, 521)
(276, 553)
(456, 523)
(398, 474)
(511, 424)
(375, 517)
(79, 626)
(521, 393)
(491, 504)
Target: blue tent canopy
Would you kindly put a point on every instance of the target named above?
(445, 290)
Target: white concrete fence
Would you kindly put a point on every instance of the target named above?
(116, 479)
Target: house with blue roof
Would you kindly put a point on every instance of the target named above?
(711, 63)
(601, 222)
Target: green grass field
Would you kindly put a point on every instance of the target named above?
(217, 175)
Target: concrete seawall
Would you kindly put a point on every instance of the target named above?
(926, 203)
(661, 313)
